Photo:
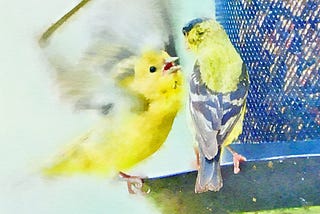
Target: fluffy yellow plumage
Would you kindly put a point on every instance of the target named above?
(220, 63)
(118, 143)
(110, 57)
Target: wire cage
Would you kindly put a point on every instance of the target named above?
(279, 41)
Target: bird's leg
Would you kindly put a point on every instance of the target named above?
(196, 151)
(236, 160)
(134, 183)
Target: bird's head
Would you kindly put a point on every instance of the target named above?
(199, 30)
(156, 75)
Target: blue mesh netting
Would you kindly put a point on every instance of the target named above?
(280, 43)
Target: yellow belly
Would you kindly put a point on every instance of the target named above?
(113, 146)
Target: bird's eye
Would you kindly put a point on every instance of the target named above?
(184, 32)
(152, 69)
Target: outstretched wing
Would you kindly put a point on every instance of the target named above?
(95, 45)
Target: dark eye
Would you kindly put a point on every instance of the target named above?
(184, 32)
(152, 69)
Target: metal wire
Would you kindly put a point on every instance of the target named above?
(279, 41)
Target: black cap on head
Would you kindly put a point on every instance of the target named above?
(187, 28)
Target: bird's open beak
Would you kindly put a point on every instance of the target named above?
(169, 65)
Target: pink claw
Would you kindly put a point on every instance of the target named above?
(134, 183)
(236, 162)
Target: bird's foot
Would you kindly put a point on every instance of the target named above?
(134, 184)
(237, 158)
(236, 162)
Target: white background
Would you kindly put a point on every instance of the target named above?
(34, 124)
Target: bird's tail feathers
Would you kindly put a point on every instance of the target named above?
(209, 175)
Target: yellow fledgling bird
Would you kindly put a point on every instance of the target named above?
(109, 57)
(118, 143)
(218, 90)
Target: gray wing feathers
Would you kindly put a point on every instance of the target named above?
(206, 112)
(206, 130)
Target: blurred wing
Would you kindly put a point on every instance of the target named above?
(96, 44)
